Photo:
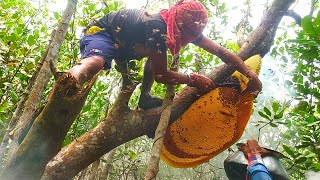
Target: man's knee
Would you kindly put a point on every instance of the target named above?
(93, 64)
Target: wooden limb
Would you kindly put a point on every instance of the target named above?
(199, 64)
(312, 7)
(241, 32)
(119, 128)
(94, 170)
(92, 142)
(43, 78)
(21, 105)
(107, 168)
(153, 163)
(295, 16)
(47, 133)
(260, 40)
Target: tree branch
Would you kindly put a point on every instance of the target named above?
(153, 164)
(295, 16)
(32, 155)
(313, 3)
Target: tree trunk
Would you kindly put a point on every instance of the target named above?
(20, 107)
(48, 131)
(26, 121)
(153, 163)
(104, 173)
(94, 170)
(22, 160)
(83, 173)
(123, 125)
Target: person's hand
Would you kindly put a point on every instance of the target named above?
(254, 86)
(203, 83)
(252, 147)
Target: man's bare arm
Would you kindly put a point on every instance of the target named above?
(231, 59)
(165, 76)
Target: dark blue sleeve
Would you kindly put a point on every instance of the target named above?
(156, 36)
(196, 42)
(258, 172)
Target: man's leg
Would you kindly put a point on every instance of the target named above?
(87, 68)
(147, 101)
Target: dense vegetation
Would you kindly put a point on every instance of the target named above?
(286, 115)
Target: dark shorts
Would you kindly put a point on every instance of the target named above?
(99, 44)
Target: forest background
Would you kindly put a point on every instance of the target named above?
(286, 114)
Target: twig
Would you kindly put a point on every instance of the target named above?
(199, 64)
(153, 164)
(313, 3)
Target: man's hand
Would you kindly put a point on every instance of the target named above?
(203, 83)
(254, 86)
(252, 147)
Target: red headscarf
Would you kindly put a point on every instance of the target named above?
(185, 22)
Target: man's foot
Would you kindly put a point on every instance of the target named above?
(148, 101)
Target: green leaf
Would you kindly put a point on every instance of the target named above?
(19, 30)
(43, 29)
(91, 7)
(262, 121)
(36, 33)
(287, 82)
(13, 37)
(132, 154)
(288, 150)
(316, 166)
(280, 114)
(31, 40)
(56, 15)
(275, 107)
(307, 26)
(273, 125)
(267, 111)
(15, 15)
(301, 160)
(263, 115)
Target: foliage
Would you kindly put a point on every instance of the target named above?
(25, 27)
(23, 38)
(304, 117)
(302, 113)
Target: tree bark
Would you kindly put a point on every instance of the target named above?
(153, 164)
(94, 170)
(48, 131)
(123, 124)
(18, 111)
(108, 167)
(26, 153)
(33, 102)
(83, 174)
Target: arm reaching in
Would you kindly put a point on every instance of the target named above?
(254, 85)
(163, 75)
(252, 147)
(256, 168)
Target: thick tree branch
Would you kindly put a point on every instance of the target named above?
(123, 124)
(295, 16)
(47, 133)
(20, 107)
(43, 141)
(260, 40)
(153, 163)
(43, 78)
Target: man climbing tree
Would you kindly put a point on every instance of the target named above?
(133, 34)
(124, 35)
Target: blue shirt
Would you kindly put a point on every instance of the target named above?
(258, 171)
